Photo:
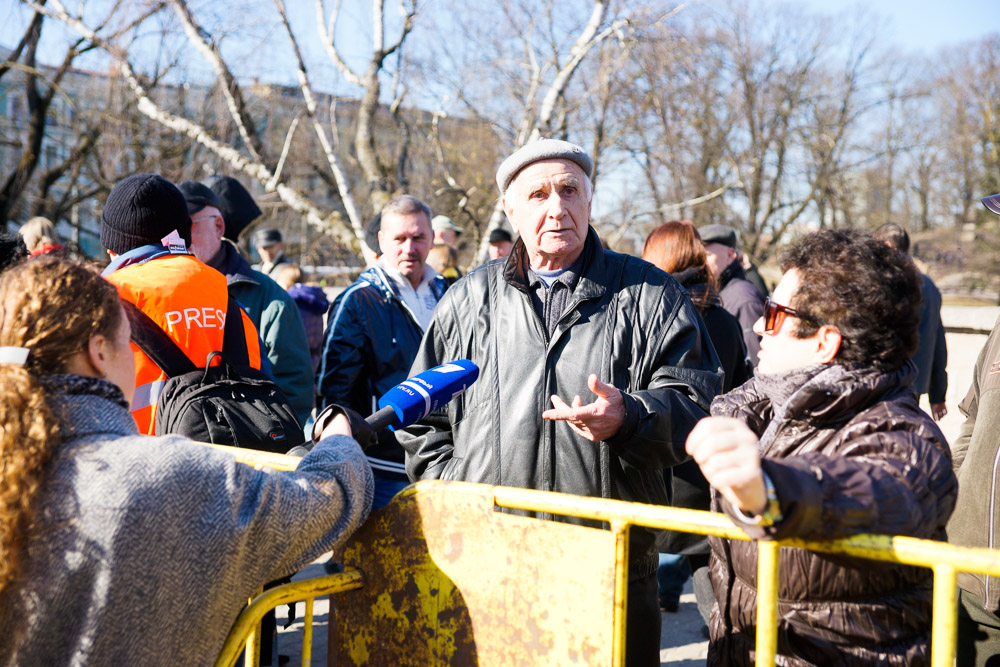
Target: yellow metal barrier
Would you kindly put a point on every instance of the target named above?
(945, 561)
(245, 629)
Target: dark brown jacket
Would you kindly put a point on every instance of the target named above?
(853, 454)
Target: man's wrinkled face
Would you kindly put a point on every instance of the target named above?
(548, 204)
(207, 228)
(406, 239)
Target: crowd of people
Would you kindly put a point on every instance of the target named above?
(674, 379)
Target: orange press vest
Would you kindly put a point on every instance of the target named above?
(188, 300)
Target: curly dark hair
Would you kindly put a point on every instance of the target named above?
(866, 289)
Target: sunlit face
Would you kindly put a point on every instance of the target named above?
(780, 350)
(207, 228)
(500, 249)
(406, 239)
(120, 360)
(445, 236)
(548, 204)
(718, 257)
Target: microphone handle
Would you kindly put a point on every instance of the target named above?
(383, 418)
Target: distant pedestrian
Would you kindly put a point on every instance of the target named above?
(445, 231)
(12, 250)
(501, 243)
(931, 356)
(739, 296)
(41, 237)
(271, 248)
(444, 259)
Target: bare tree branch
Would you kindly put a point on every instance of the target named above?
(231, 90)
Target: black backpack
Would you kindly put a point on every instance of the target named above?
(229, 404)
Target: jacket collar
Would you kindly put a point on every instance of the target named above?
(229, 262)
(593, 272)
(377, 277)
(139, 255)
(732, 272)
(81, 415)
(832, 396)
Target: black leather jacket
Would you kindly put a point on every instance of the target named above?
(627, 321)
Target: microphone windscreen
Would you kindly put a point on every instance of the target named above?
(422, 394)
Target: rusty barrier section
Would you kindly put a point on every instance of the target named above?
(426, 507)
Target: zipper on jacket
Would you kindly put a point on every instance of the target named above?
(988, 602)
(548, 434)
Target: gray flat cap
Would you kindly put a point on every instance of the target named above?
(718, 234)
(538, 150)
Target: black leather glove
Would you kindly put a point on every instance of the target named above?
(361, 430)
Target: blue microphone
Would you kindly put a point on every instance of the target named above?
(413, 399)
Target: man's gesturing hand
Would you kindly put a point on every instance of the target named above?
(595, 421)
(728, 453)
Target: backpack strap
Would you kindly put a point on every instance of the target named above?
(234, 341)
(157, 345)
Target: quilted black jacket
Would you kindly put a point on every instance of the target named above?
(854, 454)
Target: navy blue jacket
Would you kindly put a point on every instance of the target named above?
(372, 339)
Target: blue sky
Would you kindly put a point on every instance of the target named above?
(925, 25)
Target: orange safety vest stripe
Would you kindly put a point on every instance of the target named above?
(188, 300)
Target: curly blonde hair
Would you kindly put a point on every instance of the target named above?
(53, 307)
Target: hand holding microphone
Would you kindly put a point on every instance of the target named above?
(406, 403)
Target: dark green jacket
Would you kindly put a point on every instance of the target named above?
(976, 457)
(279, 324)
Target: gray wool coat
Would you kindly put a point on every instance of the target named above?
(144, 550)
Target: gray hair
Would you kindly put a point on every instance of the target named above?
(407, 205)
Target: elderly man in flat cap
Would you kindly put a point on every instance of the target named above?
(609, 341)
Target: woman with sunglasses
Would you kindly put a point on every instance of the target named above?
(828, 441)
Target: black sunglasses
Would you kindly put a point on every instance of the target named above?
(774, 314)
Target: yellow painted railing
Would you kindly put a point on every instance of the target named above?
(945, 560)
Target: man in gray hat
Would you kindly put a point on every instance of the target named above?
(271, 248)
(270, 308)
(562, 318)
(739, 296)
(445, 231)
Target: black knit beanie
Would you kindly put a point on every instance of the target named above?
(141, 210)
